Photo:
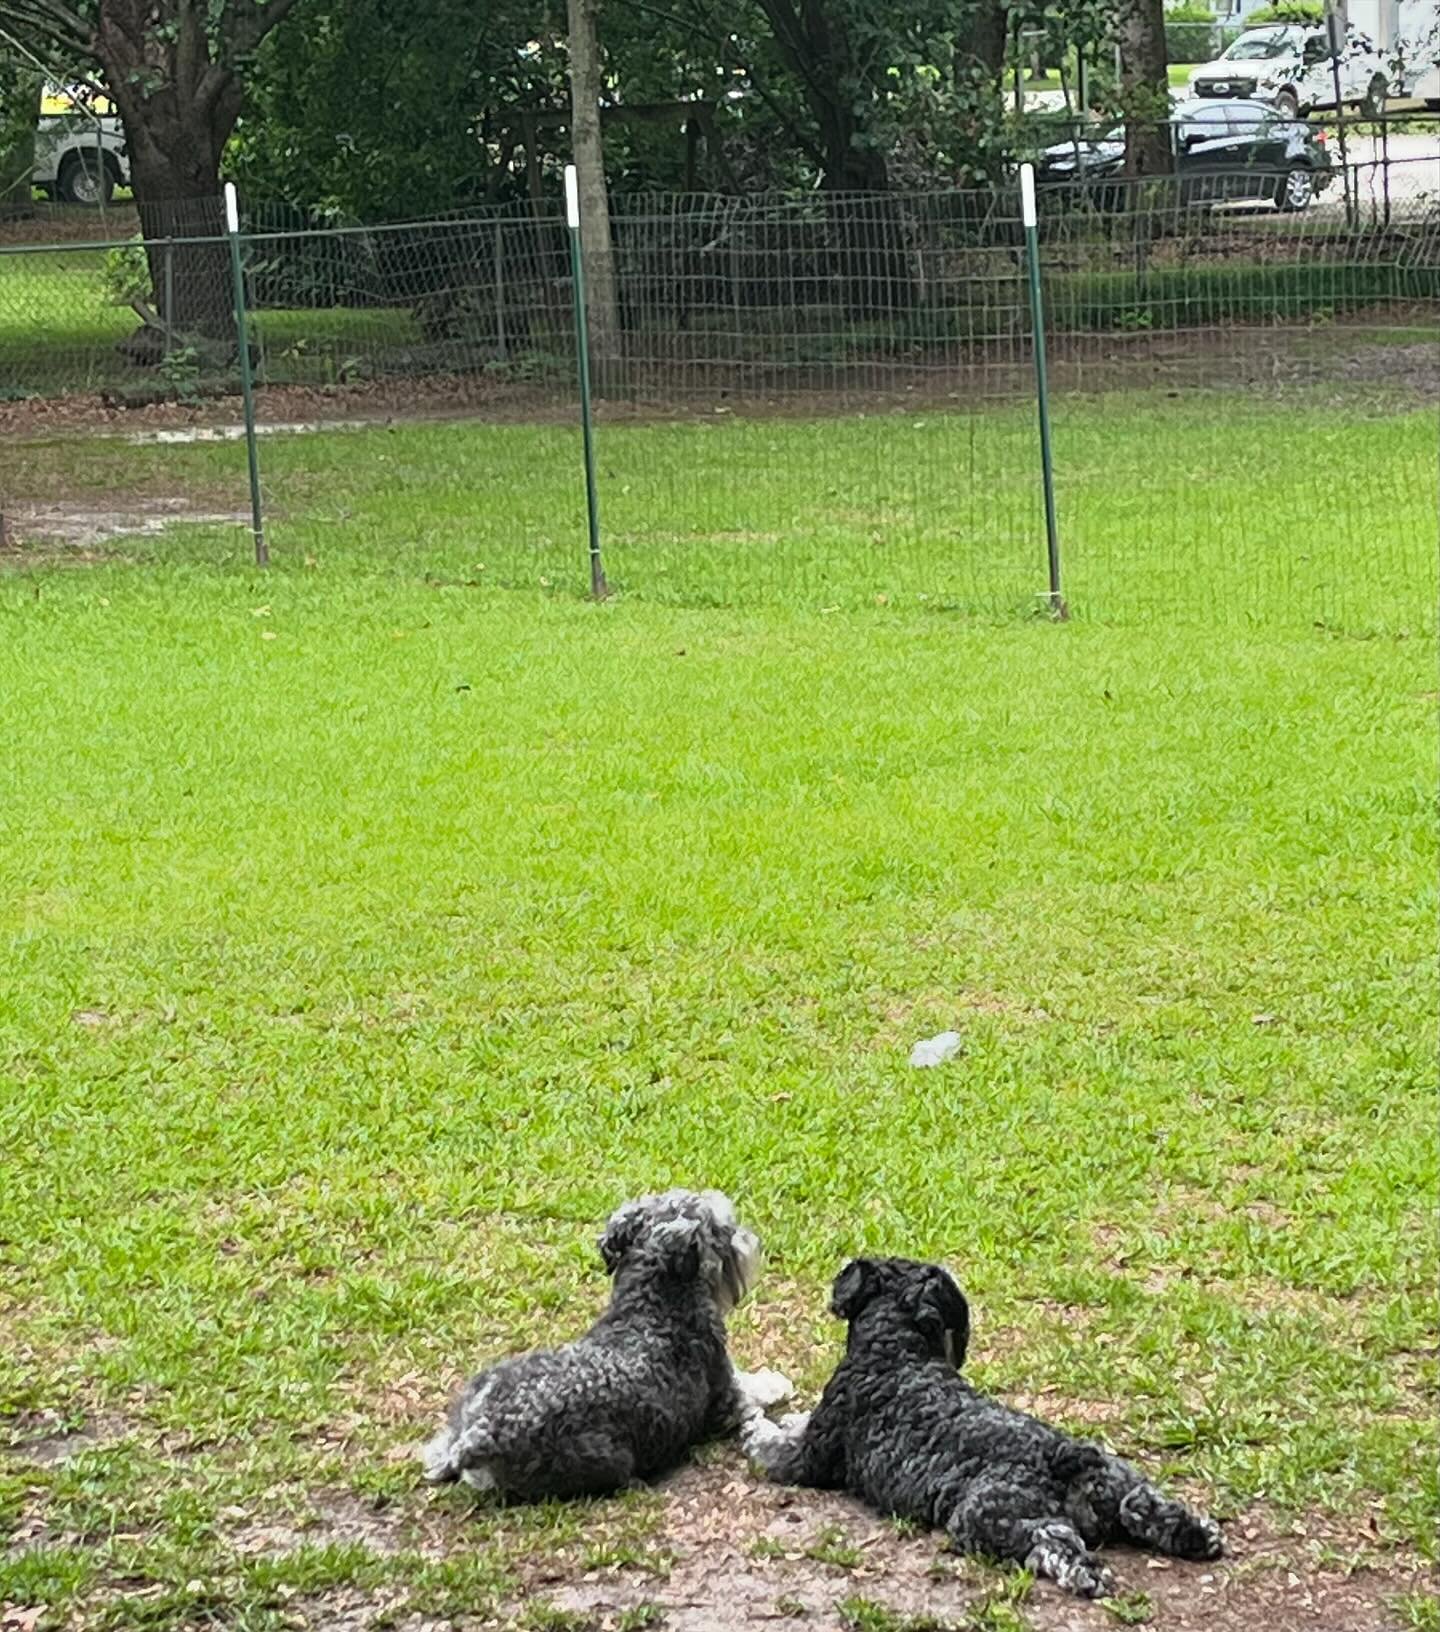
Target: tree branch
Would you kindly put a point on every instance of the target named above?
(720, 36)
(191, 51)
(249, 23)
(48, 23)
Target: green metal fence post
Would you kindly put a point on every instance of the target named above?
(1029, 221)
(169, 286)
(1335, 40)
(247, 385)
(598, 587)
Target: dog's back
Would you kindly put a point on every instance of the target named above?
(917, 1434)
(582, 1419)
(900, 1427)
(646, 1382)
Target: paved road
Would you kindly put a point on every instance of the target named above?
(1414, 162)
(1414, 169)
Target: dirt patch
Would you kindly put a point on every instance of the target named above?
(749, 1555)
(328, 1518)
(45, 1439)
(79, 529)
(354, 1611)
(1320, 360)
(71, 224)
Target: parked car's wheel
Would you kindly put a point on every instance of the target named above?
(85, 179)
(1372, 104)
(1288, 103)
(1296, 189)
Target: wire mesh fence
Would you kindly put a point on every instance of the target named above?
(827, 400)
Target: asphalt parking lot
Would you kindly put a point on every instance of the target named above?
(1409, 163)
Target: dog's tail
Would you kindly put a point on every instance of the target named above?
(462, 1452)
(438, 1458)
(464, 1446)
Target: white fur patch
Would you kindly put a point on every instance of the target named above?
(761, 1390)
(722, 1209)
(436, 1457)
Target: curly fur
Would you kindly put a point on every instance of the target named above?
(900, 1427)
(648, 1380)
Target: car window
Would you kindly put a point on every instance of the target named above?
(1217, 122)
(1262, 44)
(1251, 118)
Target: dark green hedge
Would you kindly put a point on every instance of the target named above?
(1194, 297)
(1163, 299)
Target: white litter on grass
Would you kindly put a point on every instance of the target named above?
(187, 435)
(936, 1050)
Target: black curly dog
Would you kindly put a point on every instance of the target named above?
(651, 1377)
(900, 1427)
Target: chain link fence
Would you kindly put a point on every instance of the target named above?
(828, 399)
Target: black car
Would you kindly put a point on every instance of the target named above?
(1229, 151)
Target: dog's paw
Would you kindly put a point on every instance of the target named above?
(1060, 1556)
(767, 1389)
(1090, 1580)
(760, 1439)
(1203, 1539)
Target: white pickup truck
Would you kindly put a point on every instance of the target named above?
(1289, 65)
(79, 148)
(1391, 51)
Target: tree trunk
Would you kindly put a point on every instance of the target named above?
(20, 93)
(602, 305)
(1144, 88)
(983, 51)
(175, 143)
(979, 78)
(868, 233)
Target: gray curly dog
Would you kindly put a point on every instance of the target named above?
(651, 1378)
(900, 1427)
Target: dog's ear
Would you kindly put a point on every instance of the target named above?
(684, 1248)
(853, 1288)
(943, 1315)
(621, 1233)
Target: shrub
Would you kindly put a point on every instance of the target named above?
(1201, 297)
(126, 274)
(1288, 11)
(1190, 33)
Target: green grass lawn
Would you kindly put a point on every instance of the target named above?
(1179, 75)
(1191, 506)
(57, 331)
(59, 328)
(370, 929)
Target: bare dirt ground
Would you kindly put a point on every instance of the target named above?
(723, 1551)
(747, 1555)
(729, 1552)
(80, 531)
